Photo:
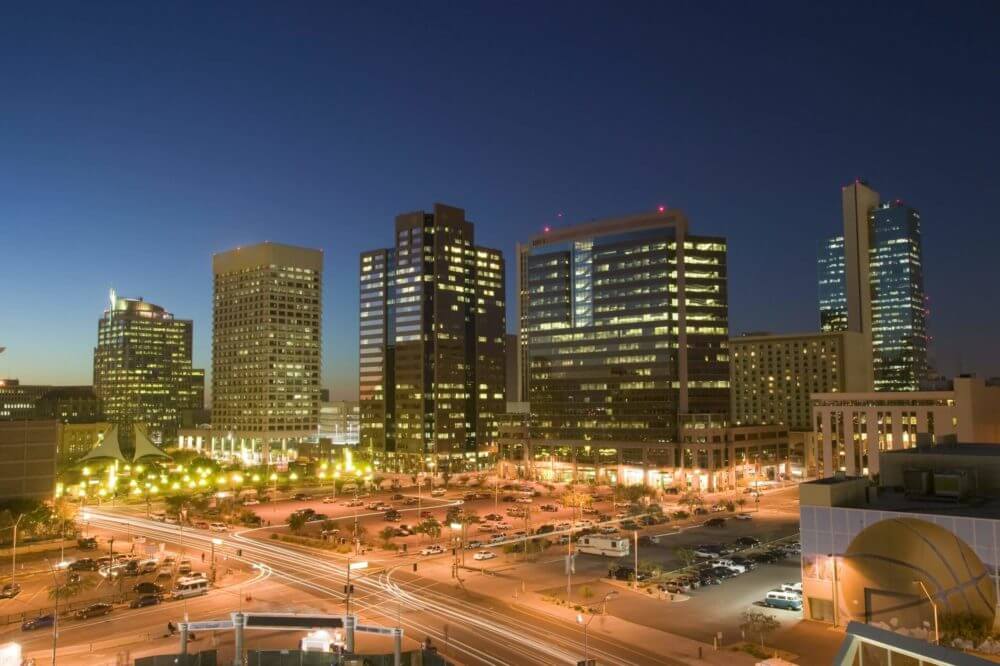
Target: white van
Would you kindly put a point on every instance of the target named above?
(160, 516)
(190, 586)
(785, 600)
(218, 527)
(794, 588)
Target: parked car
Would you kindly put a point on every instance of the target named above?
(747, 542)
(622, 572)
(472, 545)
(300, 497)
(396, 497)
(438, 492)
(745, 562)
(10, 590)
(184, 567)
(484, 555)
(40, 622)
(147, 587)
(715, 522)
(94, 610)
(545, 529)
(251, 501)
(410, 501)
(218, 527)
(524, 500)
(729, 564)
(743, 516)
(795, 588)
(629, 525)
(507, 498)
(354, 502)
(84, 564)
(553, 507)
(393, 516)
(90, 543)
(148, 566)
(700, 511)
(718, 508)
(145, 600)
(723, 573)
(587, 510)
(432, 550)
(707, 578)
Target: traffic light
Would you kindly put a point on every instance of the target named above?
(414, 567)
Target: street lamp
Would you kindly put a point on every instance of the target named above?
(937, 635)
(215, 542)
(13, 552)
(586, 623)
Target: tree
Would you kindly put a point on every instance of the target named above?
(72, 586)
(758, 622)
(685, 555)
(741, 502)
(692, 500)
(387, 535)
(431, 527)
(296, 522)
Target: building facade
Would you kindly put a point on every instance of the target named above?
(67, 404)
(852, 429)
(266, 350)
(623, 327)
(28, 452)
(933, 520)
(773, 376)
(432, 370)
(142, 369)
(871, 282)
(710, 455)
(339, 421)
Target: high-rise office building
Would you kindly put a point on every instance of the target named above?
(624, 327)
(871, 282)
(832, 290)
(773, 376)
(142, 369)
(266, 352)
(899, 313)
(432, 363)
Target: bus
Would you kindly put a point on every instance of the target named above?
(603, 545)
(190, 586)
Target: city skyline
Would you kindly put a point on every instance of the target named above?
(250, 169)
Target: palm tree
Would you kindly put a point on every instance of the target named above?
(296, 522)
(692, 500)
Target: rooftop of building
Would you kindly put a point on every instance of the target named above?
(662, 217)
(755, 336)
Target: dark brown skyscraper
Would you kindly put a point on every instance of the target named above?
(432, 370)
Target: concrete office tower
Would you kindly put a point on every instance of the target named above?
(513, 369)
(871, 282)
(773, 376)
(266, 351)
(142, 369)
(432, 362)
(626, 325)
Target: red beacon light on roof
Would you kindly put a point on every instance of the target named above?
(661, 208)
(547, 229)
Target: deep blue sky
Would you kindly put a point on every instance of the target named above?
(137, 139)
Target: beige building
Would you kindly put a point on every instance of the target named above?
(266, 351)
(773, 375)
(852, 428)
(77, 439)
(28, 459)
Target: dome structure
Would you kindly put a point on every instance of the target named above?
(880, 574)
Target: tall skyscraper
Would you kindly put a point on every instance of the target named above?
(626, 326)
(899, 313)
(871, 282)
(832, 290)
(266, 351)
(142, 369)
(432, 368)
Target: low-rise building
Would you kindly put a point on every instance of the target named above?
(851, 429)
(77, 439)
(930, 531)
(28, 459)
(712, 455)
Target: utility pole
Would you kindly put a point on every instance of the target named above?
(635, 579)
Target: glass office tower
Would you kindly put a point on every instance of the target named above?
(433, 325)
(899, 314)
(832, 290)
(888, 304)
(626, 327)
(142, 369)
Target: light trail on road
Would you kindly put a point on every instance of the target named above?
(528, 643)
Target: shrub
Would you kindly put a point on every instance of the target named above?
(967, 626)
